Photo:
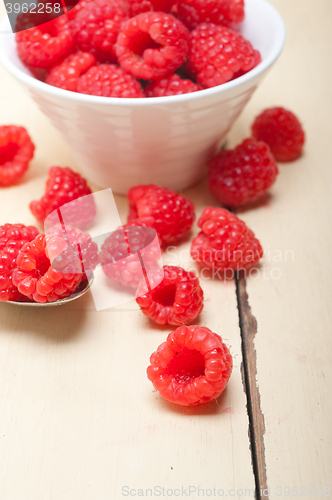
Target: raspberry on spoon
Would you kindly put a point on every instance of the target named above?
(12, 239)
(36, 278)
(78, 242)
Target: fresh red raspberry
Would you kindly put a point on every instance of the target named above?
(139, 6)
(242, 175)
(169, 213)
(217, 53)
(119, 254)
(221, 12)
(171, 85)
(66, 74)
(64, 186)
(16, 151)
(176, 300)
(35, 277)
(108, 80)
(282, 131)
(192, 367)
(97, 25)
(152, 45)
(44, 45)
(38, 73)
(12, 239)
(72, 13)
(78, 242)
(225, 241)
(13, 235)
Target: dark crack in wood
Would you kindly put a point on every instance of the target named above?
(248, 326)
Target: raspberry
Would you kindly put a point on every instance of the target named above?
(242, 175)
(118, 255)
(192, 367)
(35, 277)
(225, 242)
(76, 241)
(64, 186)
(169, 213)
(221, 12)
(217, 53)
(108, 80)
(72, 13)
(12, 239)
(38, 73)
(171, 85)
(176, 300)
(12, 235)
(97, 25)
(66, 74)
(44, 45)
(16, 151)
(282, 131)
(139, 6)
(152, 45)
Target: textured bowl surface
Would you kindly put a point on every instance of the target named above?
(119, 143)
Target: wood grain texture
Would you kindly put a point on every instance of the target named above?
(248, 325)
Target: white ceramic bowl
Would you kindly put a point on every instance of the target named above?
(119, 143)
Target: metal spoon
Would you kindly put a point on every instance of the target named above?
(82, 290)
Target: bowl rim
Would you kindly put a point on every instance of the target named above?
(43, 87)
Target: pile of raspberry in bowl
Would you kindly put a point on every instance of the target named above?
(139, 48)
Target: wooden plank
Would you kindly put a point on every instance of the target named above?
(290, 296)
(248, 325)
(79, 419)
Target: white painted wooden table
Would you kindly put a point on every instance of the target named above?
(78, 418)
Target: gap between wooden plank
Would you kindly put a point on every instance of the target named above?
(248, 329)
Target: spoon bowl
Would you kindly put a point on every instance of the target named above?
(81, 290)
